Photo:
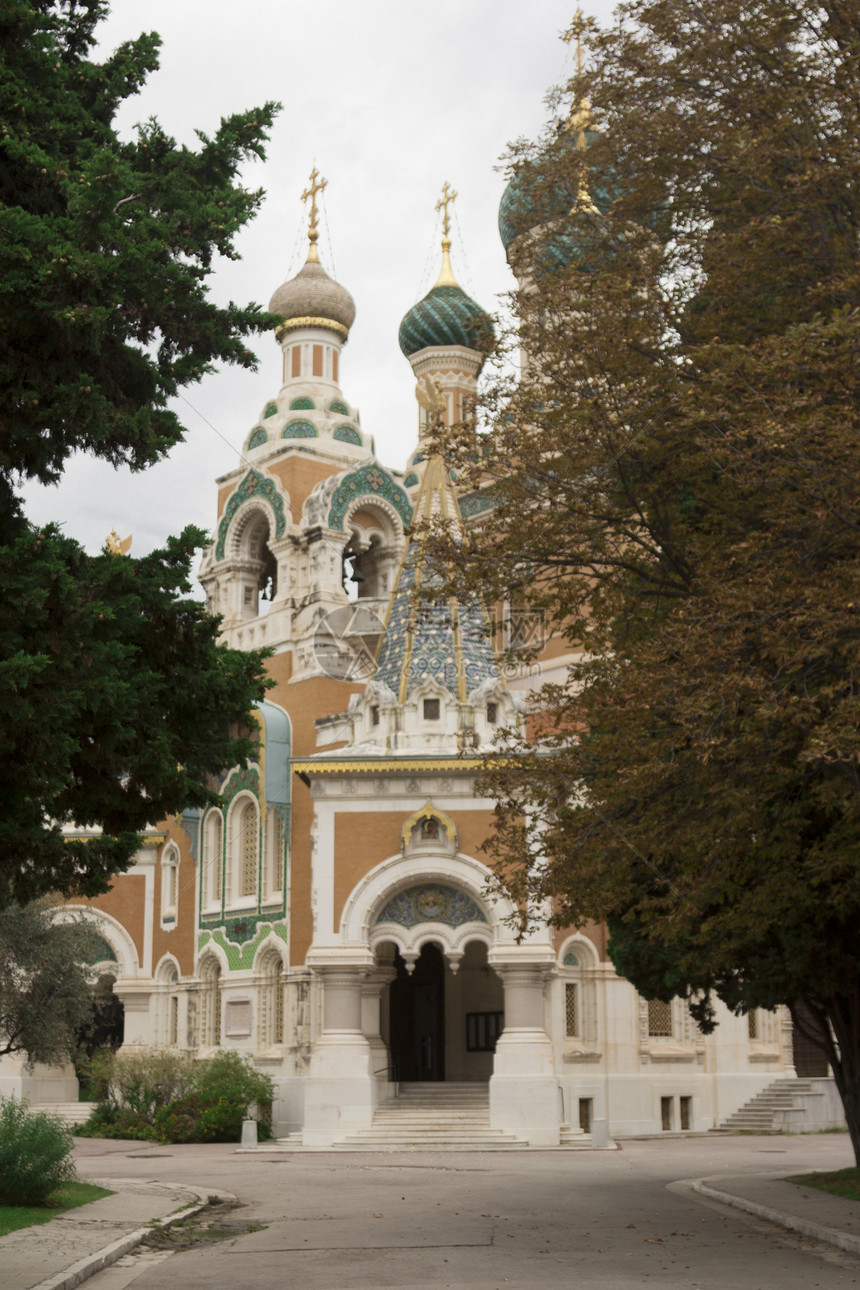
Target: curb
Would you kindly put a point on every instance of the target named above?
(805, 1227)
(90, 1264)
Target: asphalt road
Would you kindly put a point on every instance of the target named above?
(483, 1221)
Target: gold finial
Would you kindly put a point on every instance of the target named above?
(446, 276)
(317, 184)
(580, 116)
(115, 545)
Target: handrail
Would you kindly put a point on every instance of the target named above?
(391, 1070)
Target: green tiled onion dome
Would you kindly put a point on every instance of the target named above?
(446, 316)
(519, 211)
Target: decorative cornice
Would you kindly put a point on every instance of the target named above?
(387, 765)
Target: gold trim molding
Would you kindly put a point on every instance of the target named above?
(291, 324)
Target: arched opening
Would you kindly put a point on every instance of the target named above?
(417, 1017)
(370, 556)
(260, 574)
(106, 1027)
(444, 1024)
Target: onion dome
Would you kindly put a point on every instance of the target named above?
(446, 315)
(312, 298)
(528, 201)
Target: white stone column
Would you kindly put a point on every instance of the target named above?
(340, 1088)
(371, 1021)
(525, 1095)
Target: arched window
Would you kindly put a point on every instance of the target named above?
(169, 884)
(210, 1002)
(243, 846)
(275, 840)
(577, 962)
(271, 1001)
(213, 833)
(247, 850)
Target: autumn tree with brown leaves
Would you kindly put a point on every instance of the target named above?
(676, 484)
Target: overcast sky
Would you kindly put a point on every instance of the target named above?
(389, 99)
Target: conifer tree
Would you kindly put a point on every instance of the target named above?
(116, 702)
(676, 486)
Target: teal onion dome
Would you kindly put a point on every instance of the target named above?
(446, 316)
(529, 201)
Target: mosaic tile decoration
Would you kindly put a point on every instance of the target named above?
(431, 903)
(433, 652)
(367, 480)
(570, 960)
(241, 956)
(417, 457)
(346, 434)
(271, 410)
(476, 504)
(253, 485)
(411, 480)
(259, 436)
(302, 404)
(245, 780)
(299, 430)
(446, 316)
(337, 405)
(99, 950)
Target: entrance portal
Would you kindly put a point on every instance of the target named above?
(417, 1017)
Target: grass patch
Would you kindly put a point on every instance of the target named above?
(69, 1196)
(838, 1182)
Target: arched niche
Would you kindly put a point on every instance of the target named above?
(250, 536)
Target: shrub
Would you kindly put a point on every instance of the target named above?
(140, 1083)
(182, 1100)
(35, 1154)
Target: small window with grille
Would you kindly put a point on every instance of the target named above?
(431, 710)
(571, 1010)
(492, 713)
(659, 1019)
(752, 1024)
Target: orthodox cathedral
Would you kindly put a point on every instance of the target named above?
(332, 918)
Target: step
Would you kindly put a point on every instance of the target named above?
(71, 1112)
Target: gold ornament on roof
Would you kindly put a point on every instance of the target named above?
(316, 185)
(446, 276)
(580, 117)
(431, 398)
(115, 545)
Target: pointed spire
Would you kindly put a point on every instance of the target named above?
(442, 638)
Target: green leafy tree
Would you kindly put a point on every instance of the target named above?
(117, 703)
(46, 996)
(683, 442)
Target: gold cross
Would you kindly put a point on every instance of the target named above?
(448, 195)
(577, 28)
(316, 185)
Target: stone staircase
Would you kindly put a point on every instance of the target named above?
(771, 1110)
(71, 1112)
(433, 1117)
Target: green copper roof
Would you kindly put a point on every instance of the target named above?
(446, 316)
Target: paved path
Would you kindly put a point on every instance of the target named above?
(494, 1221)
